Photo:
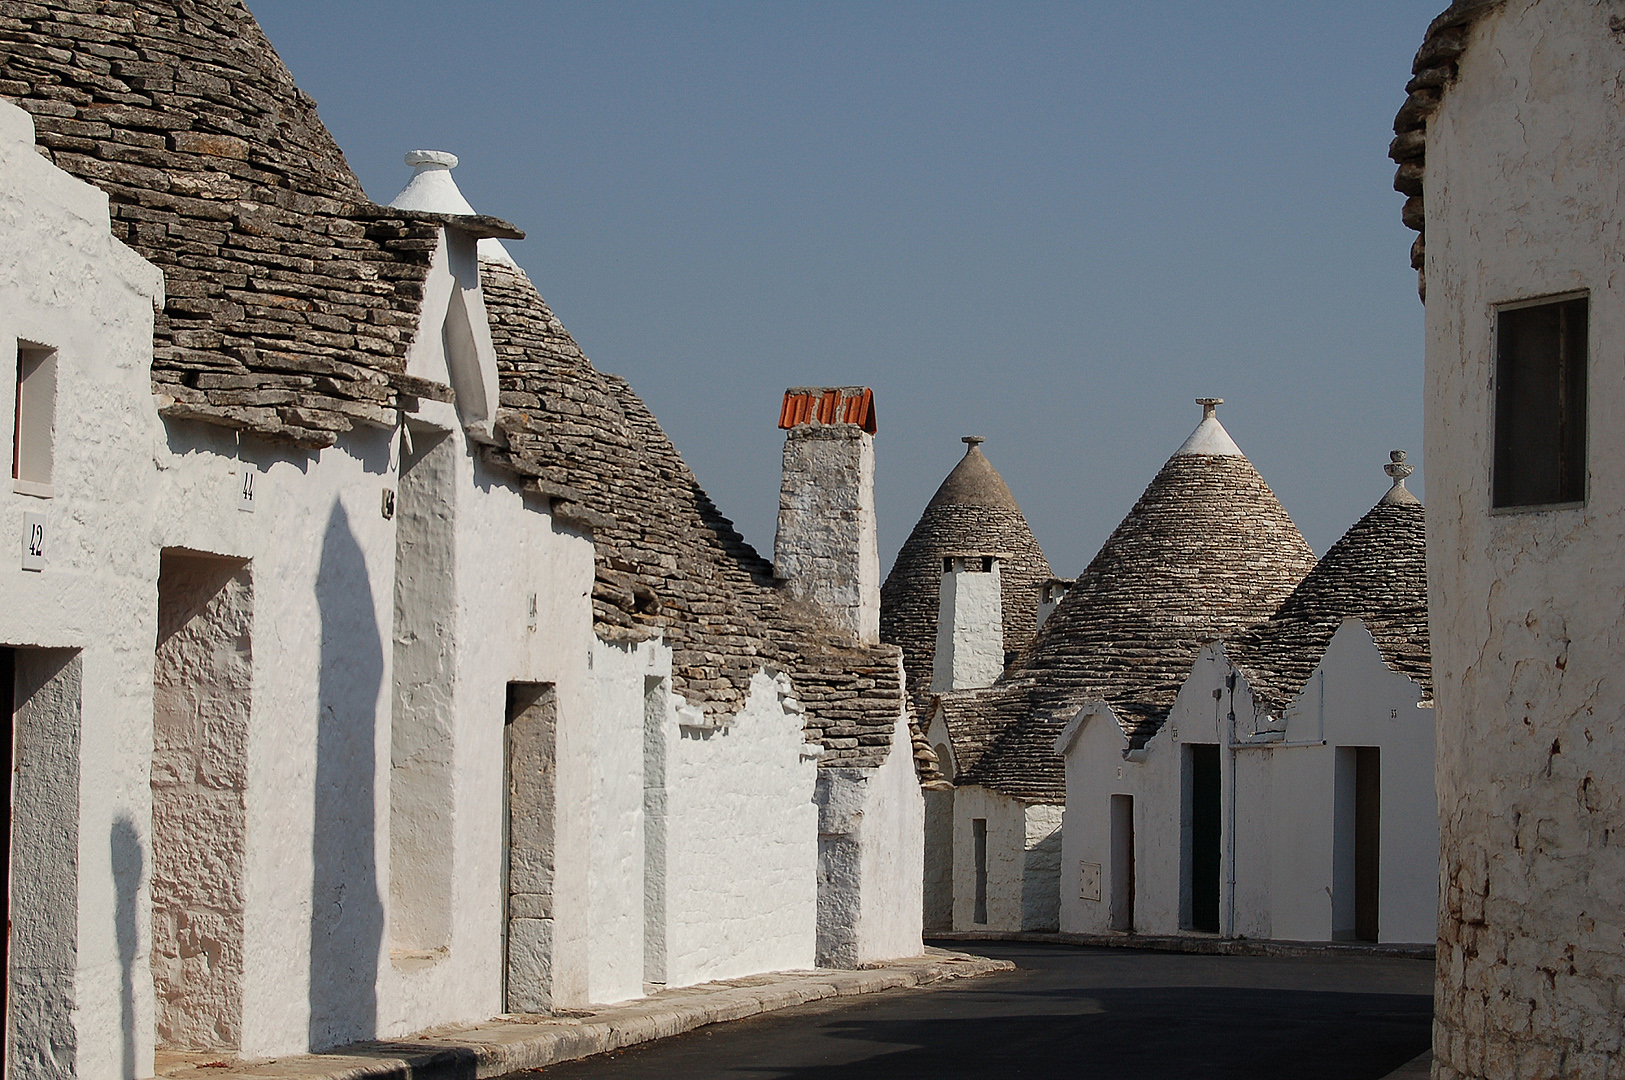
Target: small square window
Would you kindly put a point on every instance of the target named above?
(33, 427)
(1540, 403)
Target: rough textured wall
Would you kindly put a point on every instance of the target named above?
(742, 840)
(970, 629)
(67, 284)
(1041, 869)
(1524, 190)
(42, 958)
(202, 691)
(1006, 858)
(826, 551)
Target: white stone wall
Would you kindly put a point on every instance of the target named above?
(871, 859)
(827, 548)
(1276, 801)
(66, 284)
(1524, 189)
(970, 629)
(742, 841)
(1006, 858)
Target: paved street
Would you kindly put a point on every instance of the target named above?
(1100, 1014)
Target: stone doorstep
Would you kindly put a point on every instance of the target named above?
(1210, 945)
(511, 1043)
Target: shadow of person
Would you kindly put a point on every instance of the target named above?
(128, 866)
(346, 910)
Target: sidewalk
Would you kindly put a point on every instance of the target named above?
(511, 1043)
(1207, 945)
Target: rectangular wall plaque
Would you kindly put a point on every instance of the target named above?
(1089, 881)
(33, 541)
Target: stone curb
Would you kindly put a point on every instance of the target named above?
(1204, 945)
(512, 1043)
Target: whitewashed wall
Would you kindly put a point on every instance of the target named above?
(1276, 801)
(742, 840)
(65, 283)
(1524, 194)
(1006, 857)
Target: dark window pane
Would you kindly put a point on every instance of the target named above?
(1540, 404)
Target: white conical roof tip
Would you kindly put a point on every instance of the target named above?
(1210, 438)
(433, 190)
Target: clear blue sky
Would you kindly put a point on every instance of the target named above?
(1052, 225)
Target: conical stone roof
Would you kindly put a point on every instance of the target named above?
(1376, 573)
(1207, 551)
(973, 510)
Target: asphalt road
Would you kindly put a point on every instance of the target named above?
(1094, 1014)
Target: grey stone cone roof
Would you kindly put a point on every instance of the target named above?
(290, 298)
(1376, 573)
(1207, 551)
(667, 561)
(973, 510)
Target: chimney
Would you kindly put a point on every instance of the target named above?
(433, 189)
(1050, 595)
(827, 550)
(970, 623)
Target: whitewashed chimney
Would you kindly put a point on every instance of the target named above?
(970, 623)
(1050, 595)
(433, 189)
(827, 548)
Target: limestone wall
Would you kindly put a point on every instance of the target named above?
(827, 545)
(1524, 189)
(84, 624)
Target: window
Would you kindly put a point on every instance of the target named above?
(1540, 403)
(33, 420)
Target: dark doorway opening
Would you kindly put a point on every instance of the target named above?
(1205, 832)
(1367, 840)
(978, 832)
(1123, 863)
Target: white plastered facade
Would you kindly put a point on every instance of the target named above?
(1279, 822)
(1524, 189)
(387, 612)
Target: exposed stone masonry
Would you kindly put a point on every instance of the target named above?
(1377, 573)
(1431, 74)
(291, 299)
(973, 510)
(668, 561)
(1205, 552)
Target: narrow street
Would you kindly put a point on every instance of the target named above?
(1101, 1014)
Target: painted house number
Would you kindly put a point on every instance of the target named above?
(33, 541)
(245, 500)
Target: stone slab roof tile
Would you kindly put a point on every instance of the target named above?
(1207, 551)
(973, 510)
(1377, 573)
(291, 300)
(668, 561)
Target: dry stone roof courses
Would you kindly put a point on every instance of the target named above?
(1206, 551)
(291, 300)
(668, 562)
(973, 511)
(1432, 72)
(1377, 573)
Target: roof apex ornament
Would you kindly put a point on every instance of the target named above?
(972, 440)
(432, 188)
(1398, 469)
(1210, 406)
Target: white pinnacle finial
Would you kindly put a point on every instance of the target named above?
(1398, 469)
(1210, 438)
(1210, 406)
(433, 189)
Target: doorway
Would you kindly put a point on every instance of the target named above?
(202, 682)
(1203, 834)
(978, 832)
(527, 877)
(1357, 844)
(1122, 909)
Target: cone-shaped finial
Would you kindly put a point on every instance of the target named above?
(433, 189)
(1398, 469)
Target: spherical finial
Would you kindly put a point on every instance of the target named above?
(972, 440)
(432, 158)
(1210, 406)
